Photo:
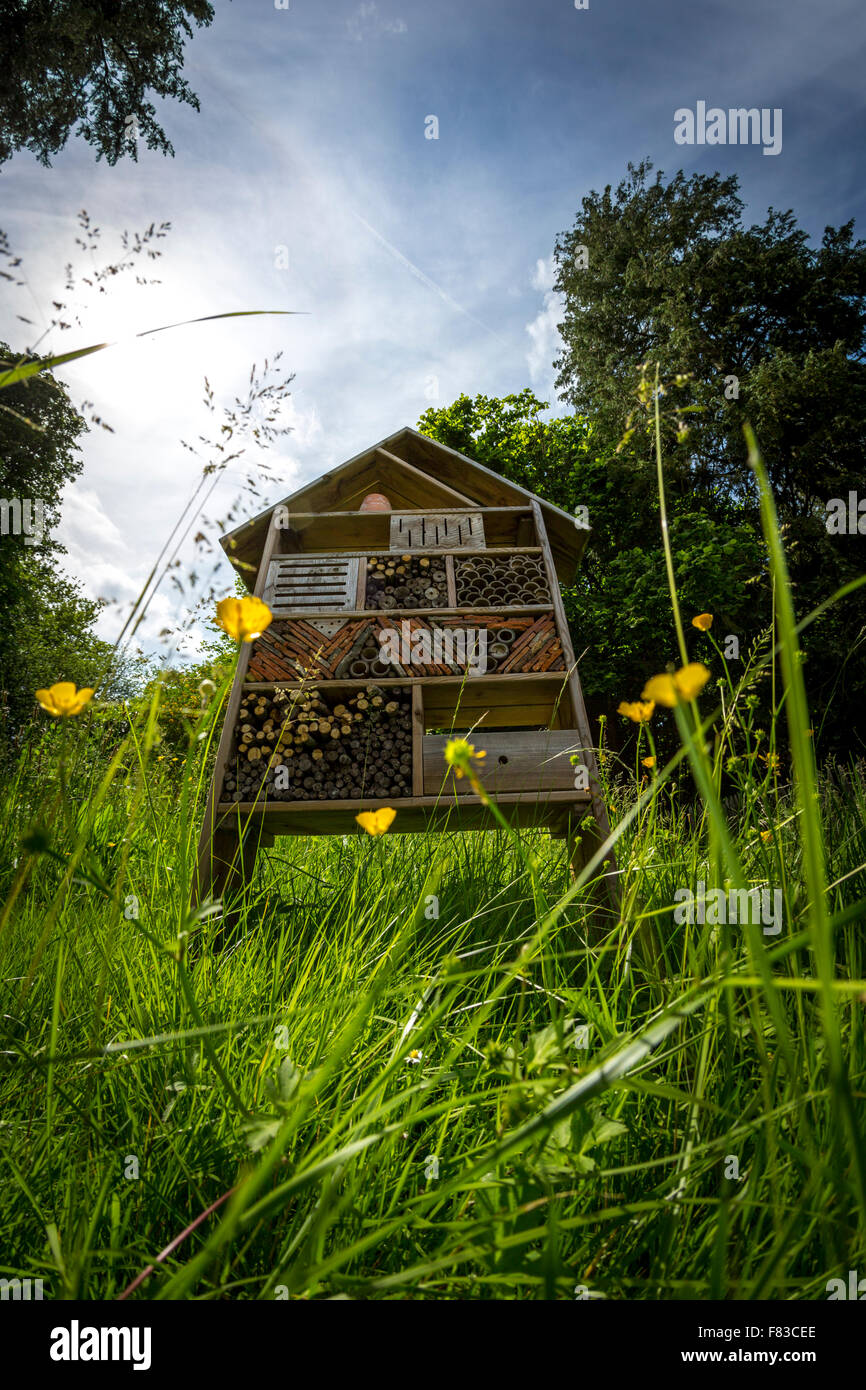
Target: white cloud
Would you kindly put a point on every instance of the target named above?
(545, 342)
(366, 21)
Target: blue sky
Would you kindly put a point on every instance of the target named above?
(423, 265)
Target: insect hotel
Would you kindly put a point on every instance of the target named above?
(415, 598)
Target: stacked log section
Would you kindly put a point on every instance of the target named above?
(509, 581)
(303, 746)
(406, 581)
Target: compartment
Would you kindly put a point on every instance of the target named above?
(406, 581)
(316, 583)
(513, 762)
(482, 646)
(317, 649)
(503, 581)
(383, 648)
(303, 533)
(301, 745)
(437, 531)
(498, 702)
(454, 529)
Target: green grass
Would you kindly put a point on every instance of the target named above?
(379, 1088)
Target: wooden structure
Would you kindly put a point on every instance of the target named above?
(391, 632)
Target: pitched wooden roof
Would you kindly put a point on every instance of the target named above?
(416, 473)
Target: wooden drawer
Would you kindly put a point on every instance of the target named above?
(515, 762)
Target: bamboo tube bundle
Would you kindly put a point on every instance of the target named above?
(406, 581)
(511, 581)
(303, 746)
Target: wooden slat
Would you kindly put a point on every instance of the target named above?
(273, 810)
(451, 581)
(513, 762)
(581, 719)
(361, 587)
(227, 733)
(425, 487)
(417, 740)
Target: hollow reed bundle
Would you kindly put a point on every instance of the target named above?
(507, 581)
(406, 581)
(306, 746)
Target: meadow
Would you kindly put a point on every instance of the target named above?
(435, 1067)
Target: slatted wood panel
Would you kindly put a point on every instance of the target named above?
(316, 583)
(512, 762)
(437, 531)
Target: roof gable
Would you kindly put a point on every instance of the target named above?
(417, 473)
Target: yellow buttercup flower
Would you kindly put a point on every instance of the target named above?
(245, 618)
(376, 822)
(703, 622)
(637, 710)
(63, 699)
(766, 835)
(648, 762)
(685, 684)
(459, 754)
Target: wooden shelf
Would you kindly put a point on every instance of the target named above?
(354, 553)
(352, 682)
(346, 615)
(505, 528)
(260, 808)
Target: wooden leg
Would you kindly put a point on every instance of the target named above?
(226, 862)
(582, 842)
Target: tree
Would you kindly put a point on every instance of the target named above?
(46, 633)
(84, 66)
(759, 326)
(619, 607)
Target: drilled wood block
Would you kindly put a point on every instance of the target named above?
(437, 531)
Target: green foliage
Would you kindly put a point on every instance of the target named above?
(761, 327)
(85, 68)
(47, 630)
(619, 607)
(183, 693)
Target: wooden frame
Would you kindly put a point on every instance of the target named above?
(531, 723)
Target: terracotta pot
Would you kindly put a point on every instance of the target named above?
(375, 502)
